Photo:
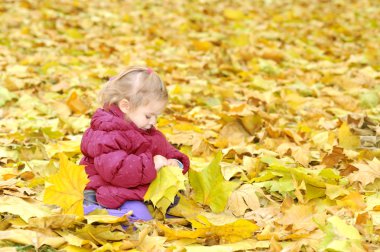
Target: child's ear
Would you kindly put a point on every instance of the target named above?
(124, 106)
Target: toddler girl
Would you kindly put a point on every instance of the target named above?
(122, 149)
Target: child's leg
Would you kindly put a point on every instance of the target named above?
(89, 202)
(89, 197)
(140, 210)
(167, 215)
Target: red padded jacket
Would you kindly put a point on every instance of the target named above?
(118, 157)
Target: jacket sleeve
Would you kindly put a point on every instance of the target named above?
(119, 168)
(173, 153)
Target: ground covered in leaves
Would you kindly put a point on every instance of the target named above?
(276, 103)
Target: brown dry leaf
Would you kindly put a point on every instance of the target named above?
(333, 158)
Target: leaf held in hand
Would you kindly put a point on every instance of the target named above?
(163, 189)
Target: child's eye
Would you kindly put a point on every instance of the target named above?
(147, 116)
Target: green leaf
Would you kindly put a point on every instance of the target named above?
(341, 237)
(5, 96)
(369, 99)
(210, 187)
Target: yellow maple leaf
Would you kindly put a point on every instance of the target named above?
(233, 14)
(242, 199)
(69, 147)
(162, 190)
(226, 227)
(76, 104)
(65, 188)
(28, 237)
(346, 139)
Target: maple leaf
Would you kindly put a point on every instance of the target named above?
(210, 187)
(186, 207)
(100, 234)
(341, 237)
(299, 217)
(31, 237)
(347, 139)
(54, 221)
(367, 173)
(242, 199)
(68, 147)
(17, 206)
(5, 95)
(227, 227)
(109, 219)
(66, 187)
(164, 187)
(143, 242)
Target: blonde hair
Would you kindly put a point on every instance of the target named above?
(139, 85)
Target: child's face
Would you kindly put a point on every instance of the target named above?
(145, 116)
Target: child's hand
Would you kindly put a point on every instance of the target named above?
(173, 162)
(159, 161)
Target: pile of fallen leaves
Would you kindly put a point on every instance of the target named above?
(275, 102)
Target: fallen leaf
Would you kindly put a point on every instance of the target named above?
(243, 199)
(210, 187)
(367, 172)
(165, 186)
(341, 237)
(31, 237)
(76, 104)
(226, 227)
(347, 139)
(17, 206)
(53, 221)
(65, 188)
